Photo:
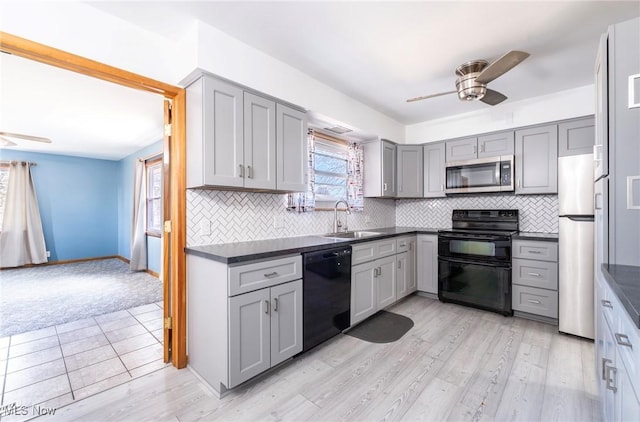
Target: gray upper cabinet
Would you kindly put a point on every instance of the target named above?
(495, 144)
(434, 161)
(380, 169)
(259, 169)
(291, 149)
(462, 149)
(536, 160)
(238, 139)
(489, 145)
(410, 171)
(576, 137)
(215, 151)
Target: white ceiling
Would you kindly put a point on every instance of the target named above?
(83, 116)
(380, 53)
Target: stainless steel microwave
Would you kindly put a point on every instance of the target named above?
(491, 174)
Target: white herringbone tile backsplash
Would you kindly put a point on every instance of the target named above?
(243, 216)
(538, 213)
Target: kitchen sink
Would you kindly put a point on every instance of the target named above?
(351, 235)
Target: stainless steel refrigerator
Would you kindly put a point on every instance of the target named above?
(575, 260)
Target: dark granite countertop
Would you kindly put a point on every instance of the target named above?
(625, 283)
(232, 253)
(547, 237)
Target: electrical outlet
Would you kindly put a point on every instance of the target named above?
(48, 254)
(205, 228)
(278, 222)
(367, 219)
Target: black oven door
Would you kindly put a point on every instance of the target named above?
(475, 247)
(483, 285)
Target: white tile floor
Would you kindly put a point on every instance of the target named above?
(57, 365)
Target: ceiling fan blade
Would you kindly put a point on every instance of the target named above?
(492, 97)
(26, 137)
(501, 66)
(6, 142)
(410, 100)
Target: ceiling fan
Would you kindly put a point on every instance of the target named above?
(474, 76)
(6, 142)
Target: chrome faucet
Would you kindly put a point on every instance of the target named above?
(337, 225)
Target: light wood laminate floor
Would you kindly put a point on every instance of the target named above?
(456, 364)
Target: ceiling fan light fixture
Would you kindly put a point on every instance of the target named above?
(469, 89)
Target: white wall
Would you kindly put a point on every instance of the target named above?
(228, 57)
(575, 102)
(86, 31)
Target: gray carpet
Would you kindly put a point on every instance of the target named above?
(383, 327)
(38, 297)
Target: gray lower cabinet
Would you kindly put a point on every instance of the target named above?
(243, 319)
(427, 263)
(536, 160)
(535, 278)
(434, 161)
(576, 137)
(617, 357)
(375, 275)
(405, 266)
(410, 171)
(240, 139)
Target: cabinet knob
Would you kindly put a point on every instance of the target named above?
(266, 306)
(241, 170)
(384, 187)
(249, 172)
(606, 304)
(611, 382)
(275, 304)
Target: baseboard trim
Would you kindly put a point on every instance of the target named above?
(75, 261)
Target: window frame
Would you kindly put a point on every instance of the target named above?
(342, 144)
(149, 166)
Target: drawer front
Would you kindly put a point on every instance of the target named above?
(530, 249)
(387, 247)
(402, 244)
(258, 275)
(363, 252)
(542, 274)
(535, 301)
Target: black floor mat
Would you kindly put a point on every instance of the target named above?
(383, 327)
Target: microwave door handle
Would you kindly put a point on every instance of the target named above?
(498, 179)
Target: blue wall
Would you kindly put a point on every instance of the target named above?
(78, 203)
(86, 204)
(126, 168)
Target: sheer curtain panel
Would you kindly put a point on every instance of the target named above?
(139, 226)
(22, 237)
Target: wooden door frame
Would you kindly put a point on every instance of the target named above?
(174, 239)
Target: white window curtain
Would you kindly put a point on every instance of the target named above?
(138, 227)
(22, 237)
(305, 202)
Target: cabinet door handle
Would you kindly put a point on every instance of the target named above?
(631, 201)
(606, 304)
(623, 340)
(537, 302)
(604, 368)
(379, 271)
(249, 172)
(266, 307)
(611, 382)
(384, 187)
(402, 245)
(481, 147)
(535, 252)
(269, 275)
(534, 274)
(518, 183)
(399, 265)
(275, 304)
(475, 149)
(241, 172)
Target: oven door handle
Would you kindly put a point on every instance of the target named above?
(505, 265)
(474, 237)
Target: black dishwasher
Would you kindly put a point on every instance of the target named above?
(326, 294)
